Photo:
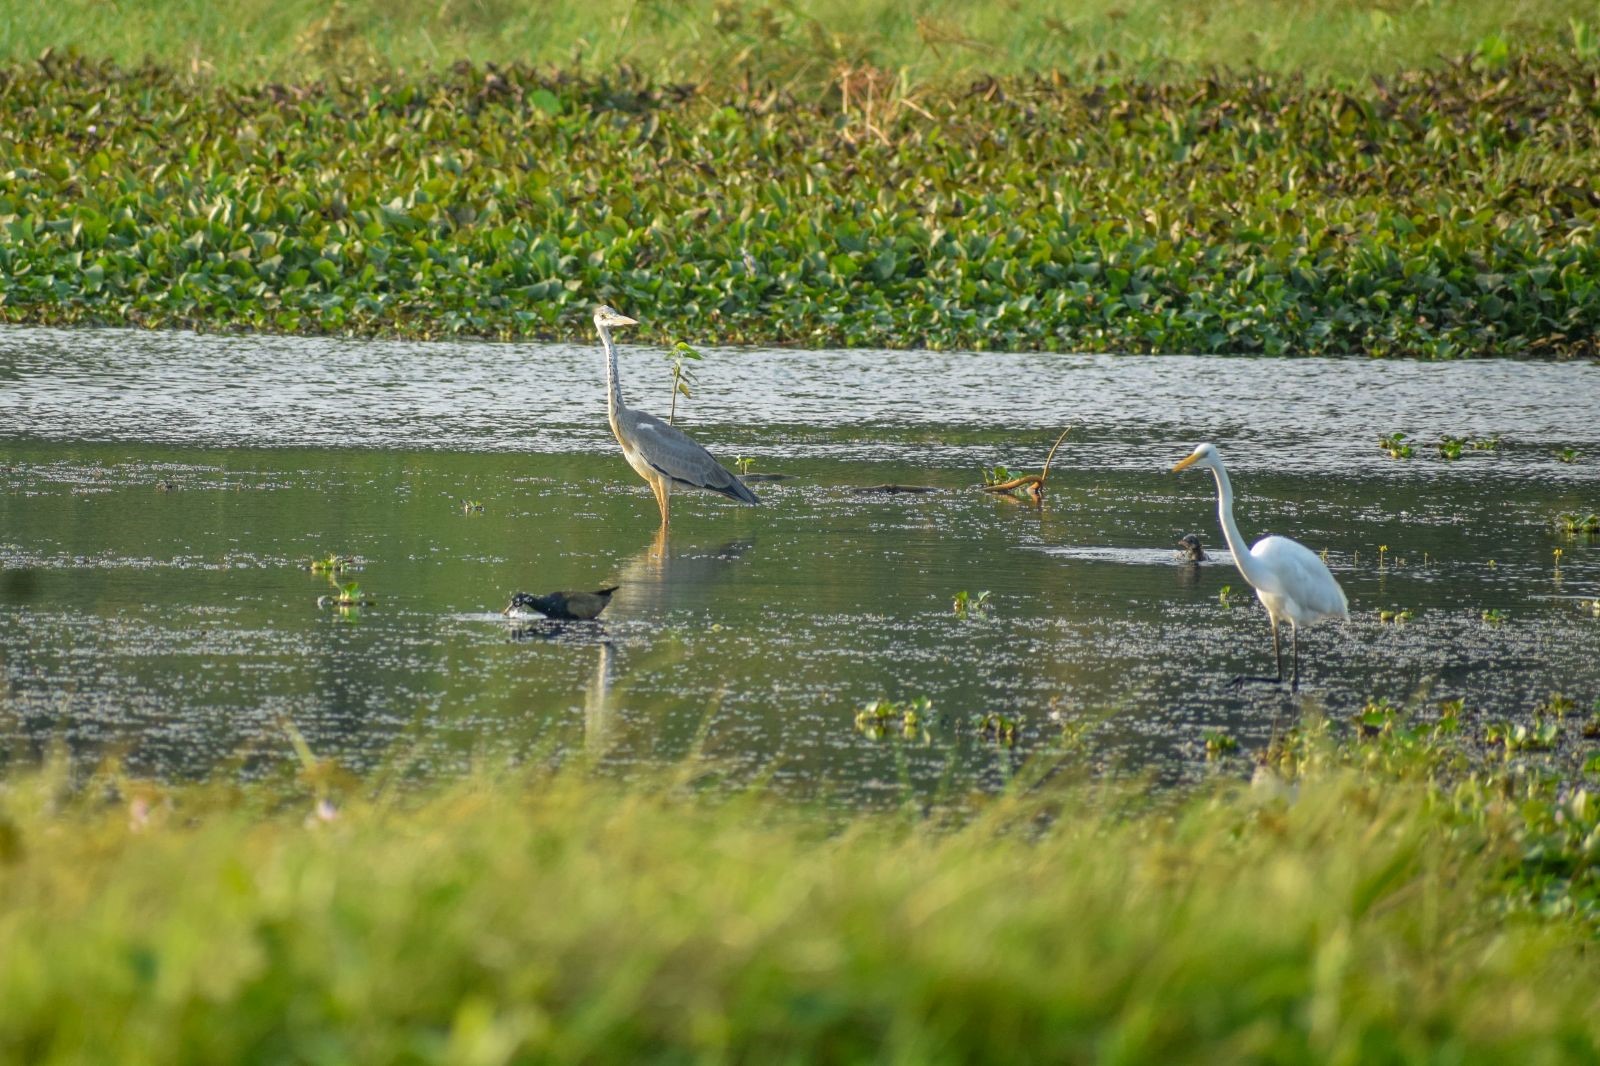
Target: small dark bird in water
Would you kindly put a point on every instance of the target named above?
(568, 606)
(1189, 548)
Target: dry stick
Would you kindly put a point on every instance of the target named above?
(1034, 482)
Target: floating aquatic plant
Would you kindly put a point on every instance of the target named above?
(878, 717)
(1218, 743)
(1396, 445)
(995, 726)
(1573, 524)
(346, 596)
(331, 564)
(968, 606)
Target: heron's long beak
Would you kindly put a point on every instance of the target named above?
(1185, 462)
(624, 320)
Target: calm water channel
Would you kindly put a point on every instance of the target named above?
(161, 494)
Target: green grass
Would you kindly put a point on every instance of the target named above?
(1391, 901)
(720, 39)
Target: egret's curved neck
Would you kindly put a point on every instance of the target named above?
(614, 402)
(1230, 529)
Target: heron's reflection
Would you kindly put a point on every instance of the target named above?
(599, 716)
(664, 575)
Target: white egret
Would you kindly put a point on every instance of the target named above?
(1291, 581)
(661, 454)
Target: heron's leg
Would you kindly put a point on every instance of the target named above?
(658, 487)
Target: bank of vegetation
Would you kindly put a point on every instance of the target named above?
(1445, 211)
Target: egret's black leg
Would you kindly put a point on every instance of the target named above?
(1294, 642)
(1277, 660)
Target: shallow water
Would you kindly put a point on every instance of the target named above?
(161, 493)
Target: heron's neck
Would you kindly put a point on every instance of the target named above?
(1230, 529)
(614, 402)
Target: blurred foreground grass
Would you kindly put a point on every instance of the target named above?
(717, 41)
(1366, 901)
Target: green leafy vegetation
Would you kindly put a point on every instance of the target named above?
(331, 563)
(1572, 523)
(1397, 445)
(912, 716)
(1219, 743)
(1379, 898)
(969, 606)
(1439, 212)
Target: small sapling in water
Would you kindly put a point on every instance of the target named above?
(683, 379)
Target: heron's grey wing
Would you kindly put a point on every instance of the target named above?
(673, 455)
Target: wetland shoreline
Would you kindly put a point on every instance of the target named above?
(1439, 213)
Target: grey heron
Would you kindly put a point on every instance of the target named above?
(661, 454)
(1290, 580)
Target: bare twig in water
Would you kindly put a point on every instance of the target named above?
(1034, 483)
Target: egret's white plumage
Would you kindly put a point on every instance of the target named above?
(1291, 581)
(661, 454)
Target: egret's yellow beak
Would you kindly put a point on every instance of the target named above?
(1185, 462)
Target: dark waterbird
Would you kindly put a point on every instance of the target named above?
(567, 606)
